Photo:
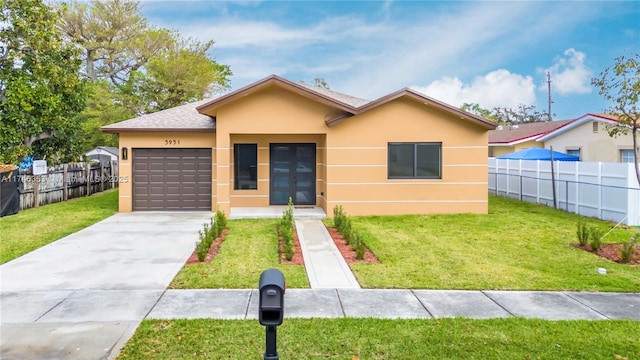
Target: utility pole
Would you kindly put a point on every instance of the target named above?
(549, 92)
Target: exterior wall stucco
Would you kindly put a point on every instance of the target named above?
(273, 115)
(357, 159)
(351, 156)
(133, 140)
(594, 147)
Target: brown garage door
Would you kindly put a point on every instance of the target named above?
(172, 179)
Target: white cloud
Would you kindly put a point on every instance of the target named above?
(569, 74)
(369, 56)
(499, 88)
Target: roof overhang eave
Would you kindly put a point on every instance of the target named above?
(273, 80)
(416, 96)
(119, 130)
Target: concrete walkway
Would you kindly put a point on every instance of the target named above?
(325, 266)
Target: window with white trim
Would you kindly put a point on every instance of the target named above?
(626, 156)
(415, 160)
(574, 152)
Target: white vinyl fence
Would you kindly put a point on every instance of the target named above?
(607, 191)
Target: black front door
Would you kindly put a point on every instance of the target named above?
(293, 174)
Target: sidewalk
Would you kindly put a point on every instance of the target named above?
(393, 304)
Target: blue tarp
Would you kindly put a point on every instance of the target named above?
(539, 154)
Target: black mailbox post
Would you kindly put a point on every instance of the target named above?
(271, 308)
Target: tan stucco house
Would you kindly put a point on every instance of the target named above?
(404, 153)
(587, 137)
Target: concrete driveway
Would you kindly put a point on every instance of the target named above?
(83, 296)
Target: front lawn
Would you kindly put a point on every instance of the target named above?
(33, 228)
(514, 338)
(250, 247)
(516, 246)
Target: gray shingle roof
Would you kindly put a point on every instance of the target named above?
(343, 98)
(184, 117)
(109, 149)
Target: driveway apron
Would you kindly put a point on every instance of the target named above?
(83, 296)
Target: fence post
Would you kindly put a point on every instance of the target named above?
(113, 174)
(600, 190)
(88, 178)
(65, 184)
(36, 190)
(520, 182)
(566, 195)
(101, 177)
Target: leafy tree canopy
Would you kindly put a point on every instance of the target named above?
(41, 93)
(507, 116)
(620, 84)
(135, 66)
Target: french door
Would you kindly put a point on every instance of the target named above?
(292, 174)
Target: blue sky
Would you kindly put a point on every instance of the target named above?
(491, 53)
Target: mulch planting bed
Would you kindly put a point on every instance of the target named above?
(213, 250)
(612, 252)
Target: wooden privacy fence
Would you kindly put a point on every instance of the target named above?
(64, 182)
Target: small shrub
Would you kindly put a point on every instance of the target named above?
(202, 246)
(583, 233)
(219, 224)
(338, 217)
(342, 223)
(628, 249)
(357, 244)
(595, 236)
(285, 231)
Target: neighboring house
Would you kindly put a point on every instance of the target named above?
(508, 139)
(588, 138)
(103, 154)
(275, 139)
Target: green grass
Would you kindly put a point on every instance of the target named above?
(516, 246)
(514, 338)
(250, 247)
(34, 228)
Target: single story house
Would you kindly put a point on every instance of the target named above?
(258, 146)
(587, 137)
(103, 154)
(508, 139)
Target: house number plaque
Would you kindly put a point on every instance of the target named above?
(171, 142)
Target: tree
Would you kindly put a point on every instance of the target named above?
(114, 37)
(103, 108)
(620, 84)
(144, 68)
(507, 116)
(523, 114)
(476, 109)
(180, 74)
(319, 82)
(41, 93)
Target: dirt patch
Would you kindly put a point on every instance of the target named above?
(213, 250)
(297, 258)
(347, 252)
(611, 252)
